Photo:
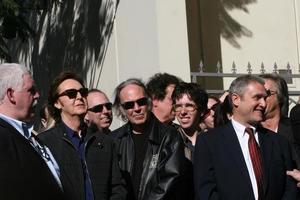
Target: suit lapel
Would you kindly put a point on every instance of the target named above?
(266, 147)
(233, 146)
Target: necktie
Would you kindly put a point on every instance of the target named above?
(25, 130)
(256, 160)
(39, 148)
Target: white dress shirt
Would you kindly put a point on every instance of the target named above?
(243, 140)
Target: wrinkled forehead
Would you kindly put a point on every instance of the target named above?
(69, 84)
(132, 92)
(95, 98)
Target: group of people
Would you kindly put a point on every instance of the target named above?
(238, 146)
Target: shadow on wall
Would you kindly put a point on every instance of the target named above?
(231, 29)
(70, 35)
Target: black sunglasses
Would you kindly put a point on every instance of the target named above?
(99, 108)
(72, 93)
(130, 104)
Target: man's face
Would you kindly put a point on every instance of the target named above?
(163, 109)
(186, 112)
(99, 110)
(71, 106)
(249, 108)
(133, 94)
(26, 99)
(271, 100)
(208, 119)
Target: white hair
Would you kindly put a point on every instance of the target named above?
(11, 76)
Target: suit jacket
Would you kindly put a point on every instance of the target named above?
(100, 160)
(220, 171)
(295, 121)
(23, 172)
(285, 129)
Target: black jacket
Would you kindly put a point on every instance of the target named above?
(164, 162)
(23, 172)
(101, 162)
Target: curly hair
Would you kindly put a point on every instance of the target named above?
(158, 84)
(194, 92)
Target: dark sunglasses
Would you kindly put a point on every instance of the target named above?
(99, 108)
(72, 93)
(130, 104)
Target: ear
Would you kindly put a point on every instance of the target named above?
(10, 93)
(236, 99)
(58, 105)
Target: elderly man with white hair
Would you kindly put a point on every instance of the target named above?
(28, 169)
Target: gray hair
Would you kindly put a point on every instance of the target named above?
(282, 92)
(117, 102)
(239, 85)
(11, 76)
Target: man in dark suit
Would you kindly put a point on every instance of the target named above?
(24, 172)
(243, 160)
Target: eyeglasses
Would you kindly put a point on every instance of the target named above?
(99, 108)
(32, 90)
(271, 92)
(188, 107)
(72, 93)
(130, 104)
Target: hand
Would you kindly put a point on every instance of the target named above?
(225, 94)
(295, 174)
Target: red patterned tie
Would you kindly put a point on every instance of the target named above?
(255, 155)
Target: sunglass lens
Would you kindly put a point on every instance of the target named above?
(72, 93)
(142, 101)
(108, 106)
(83, 92)
(97, 109)
(128, 105)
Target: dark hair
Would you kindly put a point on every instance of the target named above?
(52, 97)
(282, 92)
(158, 84)
(194, 91)
(117, 102)
(222, 111)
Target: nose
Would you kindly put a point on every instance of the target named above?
(36, 95)
(136, 106)
(263, 102)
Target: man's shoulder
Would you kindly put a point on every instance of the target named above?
(51, 134)
(119, 132)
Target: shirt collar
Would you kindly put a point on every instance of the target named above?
(17, 124)
(240, 128)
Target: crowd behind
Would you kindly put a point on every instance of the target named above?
(239, 145)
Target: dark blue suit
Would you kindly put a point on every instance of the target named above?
(23, 172)
(220, 171)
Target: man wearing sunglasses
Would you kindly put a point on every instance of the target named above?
(24, 172)
(150, 153)
(99, 115)
(88, 162)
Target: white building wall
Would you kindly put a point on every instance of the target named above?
(274, 25)
(148, 37)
